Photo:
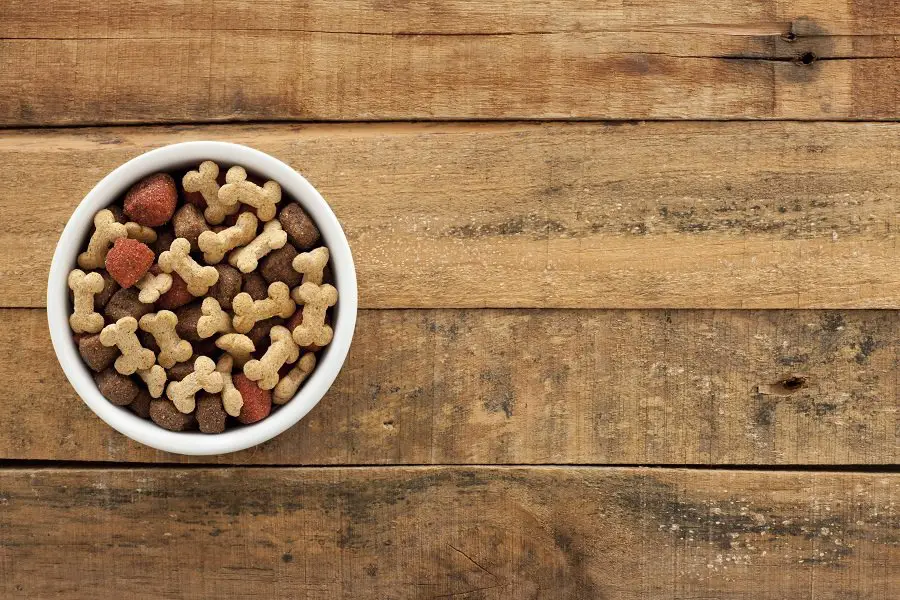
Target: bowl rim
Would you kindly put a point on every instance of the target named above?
(78, 227)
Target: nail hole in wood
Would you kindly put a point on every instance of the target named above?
(808, 58)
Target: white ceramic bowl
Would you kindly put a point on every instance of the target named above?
(181, 157)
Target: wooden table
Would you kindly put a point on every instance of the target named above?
(612, 258)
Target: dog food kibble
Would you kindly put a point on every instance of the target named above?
(152, 200)
(115, 387)
(128, 260)
(193, 306)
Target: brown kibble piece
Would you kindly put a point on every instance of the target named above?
(164, 238)
(125, 303)
(110, 287)
(255, 285)
(96, 356)
(118, 389)
(302, 232)
(164, 414)
(181, 370)
(228, 286)
(259, 335)
(189, 224)
(178, 294)
(188, 316)
(141, 404)
(210, 413)
(277, 266)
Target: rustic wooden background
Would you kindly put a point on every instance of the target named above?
(629, 286)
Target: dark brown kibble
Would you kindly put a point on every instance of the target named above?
(277, 266)
(189, 224)
(181, 370)
(115, 387)
(302, 232)
(110, 287)
(206, 347)
(141, 404)
(164, 238)
(96, 355)
(256, 286)
(187, 322)
(227, 287)
(148, 341)
(260, 333)
(210, 413)
(118, 213)
(125, 303)
(178, 294)
(164, 414)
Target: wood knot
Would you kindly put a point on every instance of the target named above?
(785, 387)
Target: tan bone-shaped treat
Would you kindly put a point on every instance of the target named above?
(172, 349)
(177, 258)
(216, 245)
(311, 264)
(247, 311)
(204, 377)
(139, 232)
(238, 346)
(106, 231)
(282, 351)
(84, 287)
(155, 379)
(232, 400)
(204, 181)
(290, 383)
(315, 300)
(153, 286)
(122, 335)
(246, 259)
(237, 189)
(214, 319)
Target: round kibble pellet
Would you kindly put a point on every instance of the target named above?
(256, 286)
(187, 322)
(178, 295)
(152, 200)
(257, 402)
(125, 303)
(164, 414)
(96, 356)
(110, 287)
(115, 387)
(141, 404)
(209, 413)
(277, 266)
(302, 232)
(189, 224)
(128, 260)
(227, 287)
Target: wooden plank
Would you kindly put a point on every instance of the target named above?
(489, 533)
(77, 62)
(544, 387)
(657, 215)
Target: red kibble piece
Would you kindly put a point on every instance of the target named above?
(128, 260)
(178, 294)
(257, 402)
(152, 200)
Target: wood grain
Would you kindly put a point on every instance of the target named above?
(486, 533)
(656, 215)
(545, 387)
(77, 62)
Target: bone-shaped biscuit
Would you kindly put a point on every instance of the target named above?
(139, 232)
(315, 300)
(232, 401)
(247, 311)
(238, 346)
(311, 264)
(204, 377)
(214, 319)
(216, 245)
(237, 189)
(290, 383)
(155, 378)
(84, 287)
(177, 258)
(247, 258)
(204, 181)
(153, 286)
(172, 349)
(122, 335)
(106, 231)
(282, 351)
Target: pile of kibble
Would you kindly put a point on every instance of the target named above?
(200, 301)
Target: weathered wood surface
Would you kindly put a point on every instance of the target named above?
(485, 533)
(126, 62)
(658, 215)
(555, 386)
